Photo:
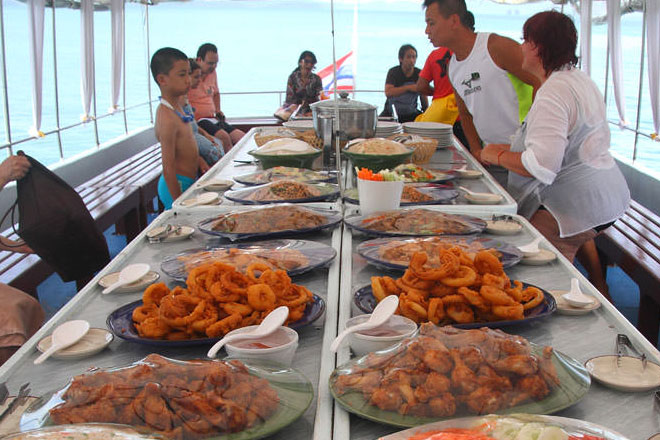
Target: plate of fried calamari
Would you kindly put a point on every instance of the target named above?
(217, 299)
(293, 256)
(466, 291)
(284, 173)
(175, 399)
(511, 427)
(415, 194)
(417, 221)
(284, 191)
(396, 252)
(270, 222)
(445, 372)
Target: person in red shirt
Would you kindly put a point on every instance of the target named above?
(443, 107)
(205, 99)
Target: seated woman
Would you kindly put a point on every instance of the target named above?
(401, 87)
(302, 88)
(562, 173)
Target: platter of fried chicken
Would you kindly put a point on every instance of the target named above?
(181, 399)
(446, 372)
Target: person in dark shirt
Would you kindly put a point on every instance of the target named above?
(401, 87)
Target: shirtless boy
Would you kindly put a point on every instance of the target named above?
(171, 71)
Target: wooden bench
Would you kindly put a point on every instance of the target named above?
(119, 195)
(633, 243)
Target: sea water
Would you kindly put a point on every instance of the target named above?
(259, 43)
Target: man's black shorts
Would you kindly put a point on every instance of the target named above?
(212, 128)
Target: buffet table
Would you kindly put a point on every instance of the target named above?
(580, 337)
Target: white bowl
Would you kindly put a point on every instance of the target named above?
(283, 344)
(393, 331)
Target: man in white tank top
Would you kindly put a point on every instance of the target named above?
(493, 92)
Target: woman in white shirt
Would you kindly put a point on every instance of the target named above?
(563, 176)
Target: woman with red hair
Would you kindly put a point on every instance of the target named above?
(562, 174)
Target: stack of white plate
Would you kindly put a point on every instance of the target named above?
(441, 132)
(386, 129)
(300, 125)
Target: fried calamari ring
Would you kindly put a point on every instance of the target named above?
(221, 295)
(278, 280)
(296, 313)
(500, 281)
(252, 319)
(436, 310)
(297, 295)
(449, 263)
(152, 328)
(465, 276)
(535, 297)
(413, 310)
(440, 291)
(410, 280)
(234, 307)
(154, 293)
(261, 297)
(208, 317)
(486, 262)
(179, 311)
(224, 326)
(261, 267)
(235, 282)
(460, 313)
(474, 298)
(516, 292)
(495, 296)
(144, 312)
(389, 286)
(410, 290)
(512, 312)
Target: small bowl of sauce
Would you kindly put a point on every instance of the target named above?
(280, 346)
(393, 331)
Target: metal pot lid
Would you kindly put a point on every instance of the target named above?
(344, 103)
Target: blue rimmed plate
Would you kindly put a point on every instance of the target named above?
(120, 322)
(439, 194)
(312, 255)
(285, 173)
(373, 250)
(364, 300)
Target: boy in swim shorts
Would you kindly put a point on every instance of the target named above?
(181, 161)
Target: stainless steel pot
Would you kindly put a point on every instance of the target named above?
(356, 119)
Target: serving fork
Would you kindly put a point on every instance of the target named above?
(23, 393)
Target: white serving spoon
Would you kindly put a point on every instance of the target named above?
(128, 275)
(531, 249)
(203, 199)
(575, 297)
(477, 195)
(383, 311)
(271, 322)
(65, 335)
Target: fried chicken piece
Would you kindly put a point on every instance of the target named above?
(387, 398)
(519, 364)
(434, 385)
(151, 408)
(472, 357)
(365, 381)
(462, 378)
(529, 387)
(484, 400)
(443, 406)
(547, 368)
(438, 360)
(489, 377)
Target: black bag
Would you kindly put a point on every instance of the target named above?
(56, 224)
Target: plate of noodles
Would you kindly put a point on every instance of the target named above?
(294, 256)
(415, 194)
(283, 191)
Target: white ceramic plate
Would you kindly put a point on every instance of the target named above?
(565, 308)
(469, 174)
(209, 198)
(544, 256)
(503, 227)
(486, 199)
(628, 376)
(217, 185)
(140, 284)
(93, 342)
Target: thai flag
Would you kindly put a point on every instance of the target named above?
(345, 74)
